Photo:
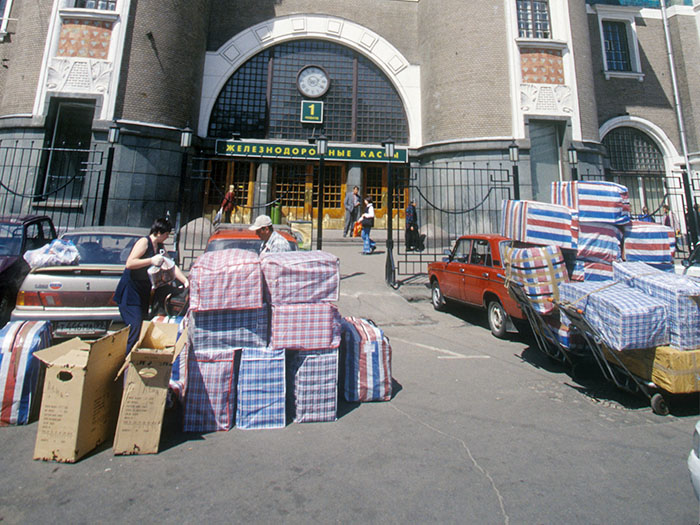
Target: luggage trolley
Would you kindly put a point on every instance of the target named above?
(545, 335)
(612, 367)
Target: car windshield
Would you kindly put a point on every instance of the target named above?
(252, 245)
(10, 238)
(102, 248)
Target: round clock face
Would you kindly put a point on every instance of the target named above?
(313, 81)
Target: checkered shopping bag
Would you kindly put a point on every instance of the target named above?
(312, 385)
(365, 361)
(261, 389)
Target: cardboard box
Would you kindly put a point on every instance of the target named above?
(148, 366)
(80, 401)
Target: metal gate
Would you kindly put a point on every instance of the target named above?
(65, 184)
(452, 199)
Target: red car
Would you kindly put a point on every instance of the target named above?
(227, 236)
(472, 273)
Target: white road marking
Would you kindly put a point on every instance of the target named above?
(450, 354)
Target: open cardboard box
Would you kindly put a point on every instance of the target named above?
(148, 367)
(80, 400)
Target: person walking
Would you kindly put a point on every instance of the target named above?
(645, 217)
(412, 237)
(669, 219)
(352, 207)
(228, 205)
(133, 293)
(368, 245)
(272, 241)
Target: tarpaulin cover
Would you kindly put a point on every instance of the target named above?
(366, 359)
(650, 243)
(301, 277)
(540, 271)
(19, 370)
(595, 201)
(540, 223)
(599, 242)
(261, 389)
(592, 271)
(231, 328)
(305, 326)
(625, 317)
(210, 397)
(312, 385)
(679, 293)
(226, 280)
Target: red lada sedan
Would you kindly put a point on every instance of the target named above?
(472, 273)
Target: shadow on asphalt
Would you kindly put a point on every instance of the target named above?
(351, 275)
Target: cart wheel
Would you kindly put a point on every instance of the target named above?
(658, 405)
(436, 296)
(498, 319)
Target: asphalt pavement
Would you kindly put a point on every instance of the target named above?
(479, 430)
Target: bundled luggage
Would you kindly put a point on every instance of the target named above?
(366, 361)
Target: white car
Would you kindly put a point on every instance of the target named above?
(694, 461)
(691, 265)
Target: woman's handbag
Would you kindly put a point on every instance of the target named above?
(368, 222)
(163, 274)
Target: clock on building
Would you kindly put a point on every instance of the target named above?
(313, 81)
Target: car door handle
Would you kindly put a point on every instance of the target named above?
(485, 274)
(461, 270)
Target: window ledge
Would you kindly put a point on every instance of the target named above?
(89, 14)
(74, 204)
(623, 74)
(541, 43)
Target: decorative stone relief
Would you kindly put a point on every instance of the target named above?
(546, 99)
(78, 75)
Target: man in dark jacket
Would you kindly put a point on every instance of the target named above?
(412, 237)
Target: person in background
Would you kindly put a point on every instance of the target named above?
(693, 229)
(368, 245)
(133, 293)
(352, 207)
(228, 205)
(645, 217)
(669, 219)
(272, 242)
(412, 237)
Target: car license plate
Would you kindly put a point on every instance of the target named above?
(80, 327)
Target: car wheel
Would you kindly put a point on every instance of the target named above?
(436, 296)
(498, 319)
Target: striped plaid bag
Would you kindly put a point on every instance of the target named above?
(592, 271)
(305, 327)
(19, 371)
(261, 389)
(599, 242)
(210, 397)
(226, 280)
(626, 318)
(366, 361)
(680, 294)
(649, 243)
(595, 201)
(312, 385)
(301, 277)
(540, 223)
(231, 328)
(540, 271)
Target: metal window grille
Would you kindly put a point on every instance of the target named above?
(290, 184)
(617, 52)
(533, 19)
(104, 5)
(331, 187)
(373, 185)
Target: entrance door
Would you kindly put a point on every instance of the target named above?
(544, 158)
(375, 184)
(223, 175)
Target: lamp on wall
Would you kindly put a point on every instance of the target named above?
(514, 156)
(113, 133)
(186, 137)
(573, 161)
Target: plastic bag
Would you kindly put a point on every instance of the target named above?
(57, 253)
(163, 274)
(217, 217)
(357, 229)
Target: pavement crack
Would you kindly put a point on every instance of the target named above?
(481, 469)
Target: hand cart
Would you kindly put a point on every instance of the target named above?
(612, 367)
(545, 334)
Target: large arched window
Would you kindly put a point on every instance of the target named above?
(261, 99)
(636, 162)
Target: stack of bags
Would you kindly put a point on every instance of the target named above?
(260, 328)
(301, 288)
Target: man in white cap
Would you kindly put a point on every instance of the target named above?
(272, 241)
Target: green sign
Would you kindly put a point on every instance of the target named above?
(300, 151)
(311, 112)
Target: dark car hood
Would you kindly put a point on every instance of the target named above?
(6, 261)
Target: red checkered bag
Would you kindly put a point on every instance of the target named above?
(301, 277)
(305, 327)
(226, 280)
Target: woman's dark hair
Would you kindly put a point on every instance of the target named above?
(368, 199)
(161, 225)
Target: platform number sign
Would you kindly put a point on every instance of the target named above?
(311, 111)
